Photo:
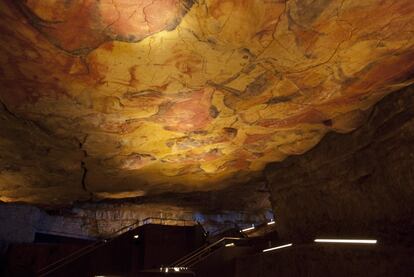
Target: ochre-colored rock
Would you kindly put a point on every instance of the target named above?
(142, 97)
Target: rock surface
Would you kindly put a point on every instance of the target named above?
(97, 220)
(116, 99)
(356, 185)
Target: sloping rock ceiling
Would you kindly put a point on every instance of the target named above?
(122, 98)
(356, 185)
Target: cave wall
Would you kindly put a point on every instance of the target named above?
(91, 220)
(352, 185)
(216, 210)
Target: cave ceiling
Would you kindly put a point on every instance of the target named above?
(122, 98)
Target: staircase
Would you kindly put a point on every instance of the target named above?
(48, 270)
(126, 246)
(152, 247)
(217, 258)
(192, 259)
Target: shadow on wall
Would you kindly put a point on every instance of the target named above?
(356, 185)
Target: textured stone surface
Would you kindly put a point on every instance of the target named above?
(100, 220)
(353, 185)
(115, 99)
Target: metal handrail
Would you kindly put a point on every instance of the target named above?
(53, 267)
(60, 233)
(202, 255)
(198, 252)
(224, 229)
(195, 261)
(163, 220)
(82, 251)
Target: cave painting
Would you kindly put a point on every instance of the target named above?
(123, 97)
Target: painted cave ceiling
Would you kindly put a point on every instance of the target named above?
(122, 98)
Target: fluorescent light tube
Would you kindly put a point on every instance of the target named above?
(277, 247)
(362, 241)
(248, 229)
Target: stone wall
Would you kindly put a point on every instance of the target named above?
(21, 222)
(243, 205)
(358, 184)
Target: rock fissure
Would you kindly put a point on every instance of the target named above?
(83, 167)
(156, 113)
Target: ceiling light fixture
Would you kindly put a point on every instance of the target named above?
(278, 247)
(248, 229)
(362, 241)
